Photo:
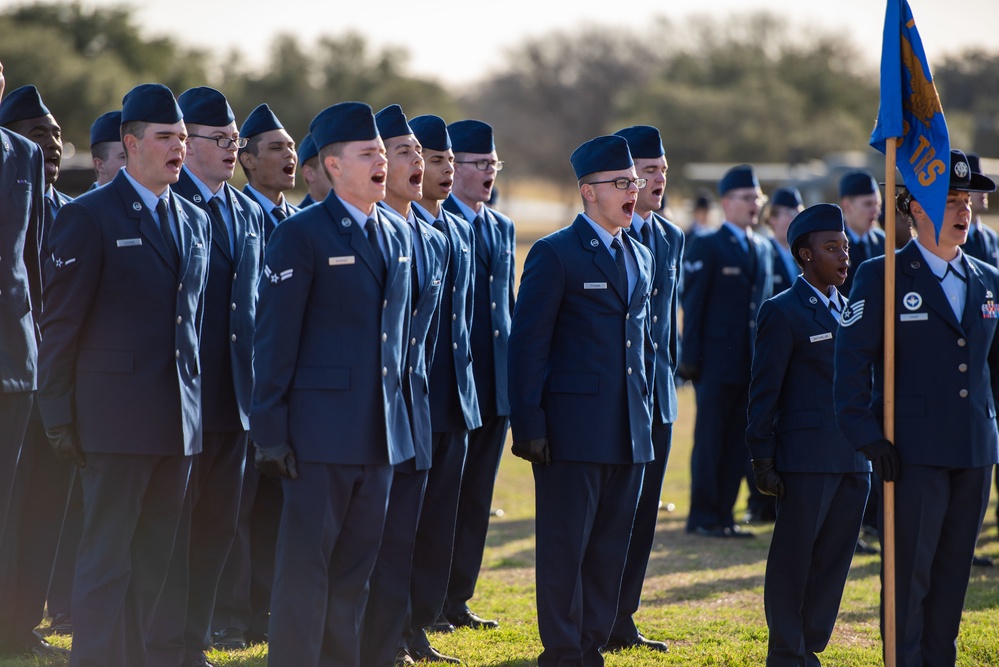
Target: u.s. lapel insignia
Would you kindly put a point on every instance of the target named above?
(912, 301)
(136, 206)
(915, 264)
(812, 300)
(346, 222)
(594, 242)
(196, 199)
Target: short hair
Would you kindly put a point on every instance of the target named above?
(101, 149)
(136, 128)
(803, 241)
(335, 150)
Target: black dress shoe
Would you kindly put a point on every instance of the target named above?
(229, 639)
(704, 531)
(430, 654)
(35, 646)
(442, 624)
(621, 643)
(737, 532)
(982, 561)
(865, 548)
(403, 658)
(62, 624)
(256, 637)
(475, 622)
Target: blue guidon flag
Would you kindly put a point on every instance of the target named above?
(911, 112)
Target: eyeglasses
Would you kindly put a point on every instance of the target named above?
(625, 183)
(749, 199)
(224, 142)
(483, 165)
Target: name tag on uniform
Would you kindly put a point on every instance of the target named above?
(731, 270)
(403, 258)
(128, 243)
(819, 337)
(594, 285)
(345, 259)
(913, 317)
(435, 283)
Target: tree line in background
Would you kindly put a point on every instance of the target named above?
(753, 88)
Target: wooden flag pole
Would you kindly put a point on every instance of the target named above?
(888, 488)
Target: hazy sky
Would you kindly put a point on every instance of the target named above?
(457, 42)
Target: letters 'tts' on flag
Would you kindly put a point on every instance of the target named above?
(911, 112)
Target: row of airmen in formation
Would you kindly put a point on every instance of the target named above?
(229, 372)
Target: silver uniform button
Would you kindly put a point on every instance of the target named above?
(961, 342)
(454, 345)
(752, 323)
(180, 287)
(453, 290)
(234, 276)
(629, 370)
(496, 334)
(410, 370)
(655, 346)
(233, 338)
(627, 344)
(384, 372)
(655, 318)
(180, 319)
(384, 337)
(412, 341)
(493, 305)
(385, 303)
(490, 278)
(627, 316)
(963, 368)
(963, 393)
(177, 354)
(454, 317)
(752, 305)
(233, 306)
(655, 291)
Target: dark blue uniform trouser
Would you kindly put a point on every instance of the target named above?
(331, 526)
(243, 598)
(132, 504)
(28, 549)
(181, 628)
(810, 554)
(643, 533)
(14, 410)
(435, 536)
(719, 457)
(938, 513)
(485, 449)
(60, 599)
(584, 514)
(388, 589)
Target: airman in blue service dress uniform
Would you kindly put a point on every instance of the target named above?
(106, 150)
(388, 601)
(665, 240)
(784, 204)
(946, 374)
(860, 199)
(182, 627)
(820, 481)
(329, 412)
(42, 482)
(268, 161)
(22, 182)
(495, 252)
(580, 347)
(120, 389)
(727, 277)
(454, 406)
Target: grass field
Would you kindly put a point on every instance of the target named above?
(703, 596)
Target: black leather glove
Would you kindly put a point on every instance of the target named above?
(884, 459)
(537, 451)
(276, 461)
(65, 444)
(768, 481)
(689, 371)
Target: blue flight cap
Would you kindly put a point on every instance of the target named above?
(307, 149)
(607, 153)
(150, 103)
(471, 136)
(644, 141)
(22, 104)
(107, 127)
(260, 120)
(974, 162)
(965, 179)
(857, 182)
(205, 106)
(345, 121)
(786, 196)
(392, 122)
(739, 176)
(431, 132)
(816, 218)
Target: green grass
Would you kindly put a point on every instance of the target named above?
(704, 597)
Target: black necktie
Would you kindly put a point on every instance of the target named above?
(622, 268)
(163, 213)
(751, 254)
(278, 213)
(371, 227)
(415, 270)
(220, 226)
(833, 307)
(951, 269)
(482, 231)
